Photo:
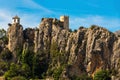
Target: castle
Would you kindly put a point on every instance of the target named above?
(86, 51)
(64, 21)
(16, 32)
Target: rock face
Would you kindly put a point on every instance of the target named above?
(115, 59)
(29, 35)
(15, 36)
(43, 35)
(86, 51)
(117, 32)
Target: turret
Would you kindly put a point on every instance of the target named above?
(16, 19)
(15, 35)
(65, 21)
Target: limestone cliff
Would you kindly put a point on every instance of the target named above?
(88, 49)
(85, 51)
(15, 37)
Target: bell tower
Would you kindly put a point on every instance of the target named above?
(16, 19)
(15, 35)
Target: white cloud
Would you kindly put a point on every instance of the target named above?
(111, 24)
(27, 20)
(33, 20)
(5, 18)
(32, 4)
(25, 4)
(30, 21)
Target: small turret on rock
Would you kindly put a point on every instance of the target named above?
(15, 35)
(74, 53)
(16, 19)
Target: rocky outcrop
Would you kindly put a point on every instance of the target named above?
(15, 36)
(28, 35)
(84, 51)
(88, 50)
(43, 35)
(117, 32)
(115, 59)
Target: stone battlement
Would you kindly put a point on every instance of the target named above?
(64, 21)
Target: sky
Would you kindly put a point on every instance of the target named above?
(104, 13)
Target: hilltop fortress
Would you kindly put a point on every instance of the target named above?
(17, 36)
(84, 51)
(63, 22)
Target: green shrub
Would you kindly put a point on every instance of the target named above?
(19, 78)
(57, 73)
(93, 26)
(39, 65)
(82, 77)
(70, 30)
(2, 33)
(81, 27)
(75, 30)
(25, 70)
(3, 67)
(54, 50)
(27, 57)
(102, 75)
(3, 36)
(49, 72)
(6, 55)
(4, 39)
(14, 71)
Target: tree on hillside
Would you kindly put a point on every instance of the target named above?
(2, 33)
(6, 55)
(102, 75)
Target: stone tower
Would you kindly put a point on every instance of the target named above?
(65, 20)
(16, 19)
(15, 35)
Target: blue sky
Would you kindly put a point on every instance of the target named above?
(105, 13)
